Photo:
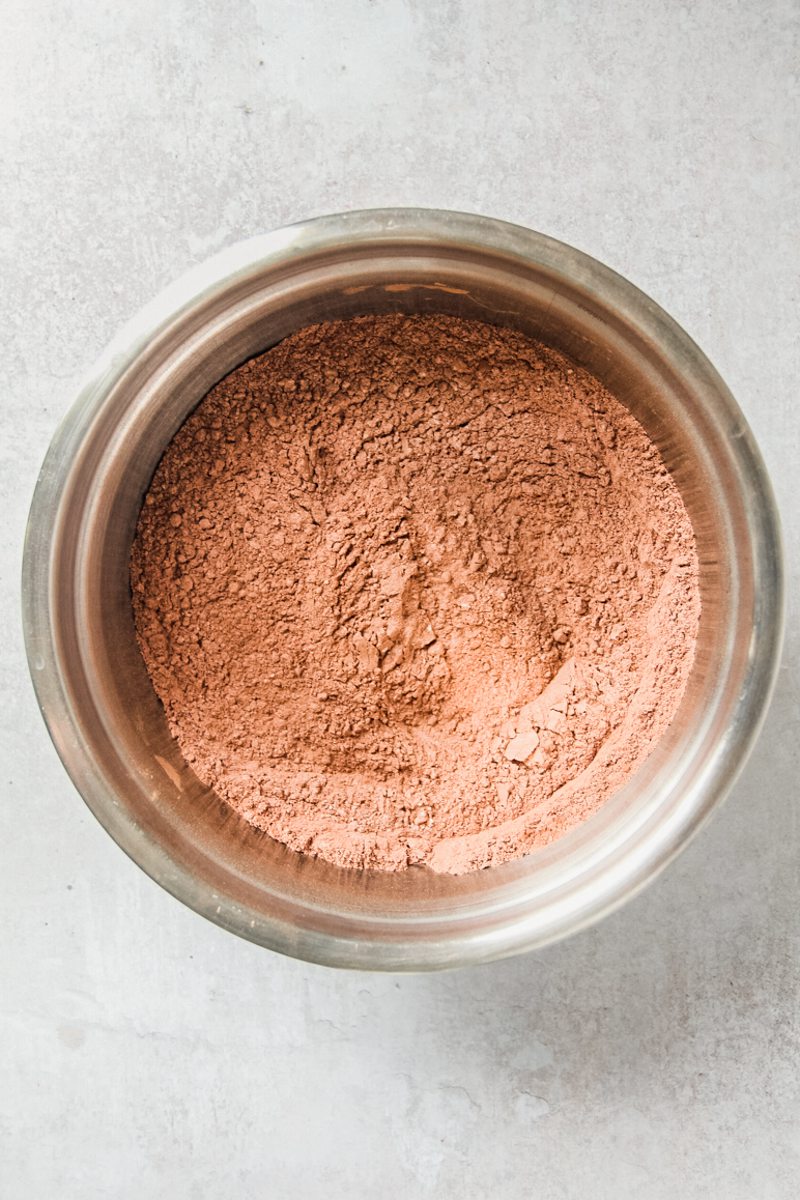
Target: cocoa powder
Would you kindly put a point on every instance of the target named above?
(414, 589)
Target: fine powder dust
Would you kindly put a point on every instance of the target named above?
(414, 589)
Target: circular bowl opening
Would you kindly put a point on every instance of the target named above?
(97, 699)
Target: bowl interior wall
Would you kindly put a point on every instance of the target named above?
(128, 730)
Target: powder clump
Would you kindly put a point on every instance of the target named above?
(414, 589)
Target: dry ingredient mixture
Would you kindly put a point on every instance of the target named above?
(414, 589)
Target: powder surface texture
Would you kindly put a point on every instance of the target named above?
(414, 590)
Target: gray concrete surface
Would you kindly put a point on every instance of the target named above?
(148, 1054)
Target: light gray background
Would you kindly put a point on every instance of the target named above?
(147, 1054)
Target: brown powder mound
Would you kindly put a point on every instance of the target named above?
(414, 590)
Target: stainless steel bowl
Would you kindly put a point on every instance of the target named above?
(98, 702)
